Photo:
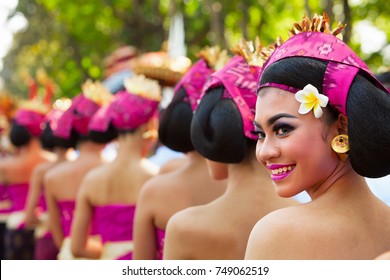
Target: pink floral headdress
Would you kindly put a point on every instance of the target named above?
(195, 78)
(239, 77)
(315, 39)
(80, 112)
(31, 115)
(130, 108)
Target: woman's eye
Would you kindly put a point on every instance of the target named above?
(282, 130)
(260, 134)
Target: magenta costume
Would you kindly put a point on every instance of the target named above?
(5, 210)
(115, 226)
(160, 238)
(16, 231)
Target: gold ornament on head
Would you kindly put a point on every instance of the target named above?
(317, 24)
(96, 92)
(62, 104)
(35, 105)
(255, 53)
(214, 56)
(142, 86)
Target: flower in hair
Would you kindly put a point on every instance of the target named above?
(310, 98)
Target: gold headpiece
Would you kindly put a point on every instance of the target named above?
(35, 104)
(214, 56)
(142, 86)
(317, 24)
(62, 104)
(96, 92)
(254, 53)
(161, 67)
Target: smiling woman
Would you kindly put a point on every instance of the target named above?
(317, 103)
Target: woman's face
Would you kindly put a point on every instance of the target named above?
(294, 148)
(217, 170)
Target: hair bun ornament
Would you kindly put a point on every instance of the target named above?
(215, 57)
(141, 86)
(161, 67)
(96, 92)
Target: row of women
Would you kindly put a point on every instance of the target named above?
(257, 128)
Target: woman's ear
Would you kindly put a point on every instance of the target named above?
(342, 124)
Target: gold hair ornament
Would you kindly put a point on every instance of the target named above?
(96, 92)
(214, 56)
(317, 24)
(142, 86)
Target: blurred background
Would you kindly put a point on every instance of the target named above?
(70, 39)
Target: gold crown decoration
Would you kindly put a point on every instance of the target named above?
(214, 56)
(161, 67)
(255, 53)
(62, 104)
(8, 105)
(35, 105)
(96, 92)
(142, 86)
(317, 24)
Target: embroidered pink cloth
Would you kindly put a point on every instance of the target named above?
(239, 80)
(160, 235)
(18, 195)
(31, 120)
(5, 201)
(343, 65)
(115, 223)
(67, 208)
(193, 82)
(126, 111)
(76, 117)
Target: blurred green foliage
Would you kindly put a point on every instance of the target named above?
(70, 39)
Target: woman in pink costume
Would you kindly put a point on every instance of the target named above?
(62, 182)
(221, 130)
(36, 209)
(189, 184)
(15, 174)
(322, 120)
(109, 193)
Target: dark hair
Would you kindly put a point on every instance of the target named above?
(175, 124)
(368, 111)
(67, 143)
(103, 137)
(384, 78)
(19, 135)
(217, 130)
(47, 138)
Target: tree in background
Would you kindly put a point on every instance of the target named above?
(70, 39)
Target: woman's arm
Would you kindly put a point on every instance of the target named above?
(145, 240)
(81, 244)
(34, 191)
(54, 213)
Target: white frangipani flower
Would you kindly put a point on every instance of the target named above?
(310, 98)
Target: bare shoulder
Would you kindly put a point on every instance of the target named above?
(282, 234)
(185, 235)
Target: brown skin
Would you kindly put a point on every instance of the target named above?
(220, 229)
(168, 193)
(63, 183)
(118, 182)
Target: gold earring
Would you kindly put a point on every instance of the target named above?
(340, 144)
